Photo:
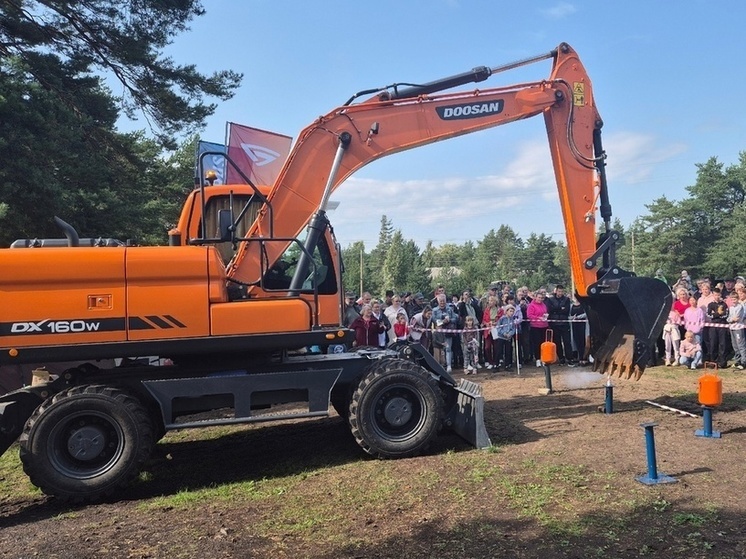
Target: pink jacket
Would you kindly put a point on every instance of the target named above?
(535, 314)
(694, 319)
(689, 349)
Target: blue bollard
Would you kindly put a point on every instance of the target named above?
(548, 378)
(707, 431)
(609, 405)
(653, 476)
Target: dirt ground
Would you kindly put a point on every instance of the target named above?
(559, 481)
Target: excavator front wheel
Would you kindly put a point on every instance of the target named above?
(396, 410)
(86, 442)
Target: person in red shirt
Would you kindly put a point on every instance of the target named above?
(680, 305)
(401, 328)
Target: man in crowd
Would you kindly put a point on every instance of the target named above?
(558, 306)
(440, 290)
(416, 304)
(717, 316)
(350, 313)
(446, 319)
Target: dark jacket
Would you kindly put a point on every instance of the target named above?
(558, 308)
(366, 333)
(350, 314)
(717, 312)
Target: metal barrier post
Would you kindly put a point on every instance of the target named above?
(547, 380)
(707, 431)
(653, 477)
(609, 404)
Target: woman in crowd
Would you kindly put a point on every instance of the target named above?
(537, 315)
(383, 319)
(419, 328)
(367, 328)
(391, 312)
(489, 321)
(680, 305)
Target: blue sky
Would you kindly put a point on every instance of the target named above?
(668, 79)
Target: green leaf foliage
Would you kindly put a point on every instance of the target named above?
(61, 45)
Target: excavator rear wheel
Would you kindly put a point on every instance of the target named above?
(396, 410)
(86, 442)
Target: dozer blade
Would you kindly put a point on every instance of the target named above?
(626, 319)
(466, 418)
(15, 409)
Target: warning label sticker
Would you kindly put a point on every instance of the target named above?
(578, 94)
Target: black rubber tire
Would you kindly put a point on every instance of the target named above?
(86, 442)
(396, 410)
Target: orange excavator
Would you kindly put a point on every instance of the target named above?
(253, 273)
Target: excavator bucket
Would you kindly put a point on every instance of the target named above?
(625, 320)
(467, 416)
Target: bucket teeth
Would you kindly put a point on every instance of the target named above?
(616, 367)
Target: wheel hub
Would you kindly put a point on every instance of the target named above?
(397, 411)
(86, 443)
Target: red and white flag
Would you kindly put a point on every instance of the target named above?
(258, 153)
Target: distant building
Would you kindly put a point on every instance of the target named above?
(439, 272)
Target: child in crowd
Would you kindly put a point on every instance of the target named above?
(470, 345)
(505, 334)
(672, 337)
(690, 351)
(401, 328)
(694, 319)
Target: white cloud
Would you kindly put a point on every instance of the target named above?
(636, 157)
(450, 209)
(522, 195)
(559, 11)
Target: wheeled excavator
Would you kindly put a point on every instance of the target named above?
(252, 274)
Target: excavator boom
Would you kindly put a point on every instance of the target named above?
(627, 313)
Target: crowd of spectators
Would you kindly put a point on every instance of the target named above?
(505, 327)
(502, 329)
(706, 323)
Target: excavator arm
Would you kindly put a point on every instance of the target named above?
(626, 314)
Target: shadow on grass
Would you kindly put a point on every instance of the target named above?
(660, 529)
(210, 457)
(214, 458)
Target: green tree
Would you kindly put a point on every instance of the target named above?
(374, 269)
(660, 238)
(418, 278)
(484, 267)
(539, 263)
(722, 192)
(726, 256)
(394, 269)
(62, 154)
(508, 247)
(352, 270)
(428, 255)
(61, 45)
